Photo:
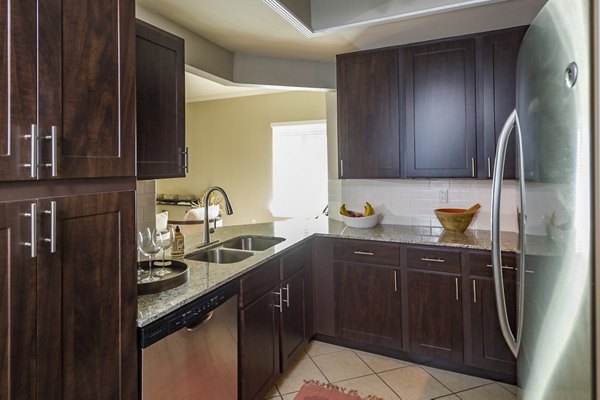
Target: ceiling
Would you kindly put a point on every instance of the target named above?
(253, 27)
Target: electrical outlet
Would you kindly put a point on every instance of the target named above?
(443, 196)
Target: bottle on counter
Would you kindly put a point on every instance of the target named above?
(178, 244)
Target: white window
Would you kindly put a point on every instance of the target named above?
(299, 169)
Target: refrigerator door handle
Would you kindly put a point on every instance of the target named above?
(512, 341)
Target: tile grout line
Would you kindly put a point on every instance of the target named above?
(507, 389)
(441, 383)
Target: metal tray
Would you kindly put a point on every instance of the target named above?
(178, 277)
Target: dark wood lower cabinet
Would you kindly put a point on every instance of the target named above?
(489, 350)
(368, 304)
(293, 317)
(17, 304)
(259, 346)
(435, 319)
(73, 309)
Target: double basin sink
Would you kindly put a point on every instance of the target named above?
(234, 250)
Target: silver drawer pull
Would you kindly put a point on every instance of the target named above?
(32, 214)
(364, 253)
(503, 267)
(436, 260)
(280, 305)
(287, 294)
(395, 281)
(456, 288)
(52, 238)
(474, 291)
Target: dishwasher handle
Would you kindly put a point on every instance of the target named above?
(195, 325)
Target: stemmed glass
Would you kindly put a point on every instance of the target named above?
(165, 238)
(148, 246)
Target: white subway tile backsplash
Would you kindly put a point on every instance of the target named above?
(413, 201)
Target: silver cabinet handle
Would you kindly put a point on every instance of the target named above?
(456, 288)
(52, 238)
(53, 150)
(435, 260)
(489, 159)
(473, 167)
(474, 291)
(341, 168)
(512, 341)
(287, 294)
(395, 281)
(280, 305)
(364, 253)
(186, 160)
(32, 244)
(33, 149)
(503, 267)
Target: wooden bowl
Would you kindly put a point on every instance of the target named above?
(454, 219)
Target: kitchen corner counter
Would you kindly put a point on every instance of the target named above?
(205, 277)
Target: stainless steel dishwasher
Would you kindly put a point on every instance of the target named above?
(192, 353)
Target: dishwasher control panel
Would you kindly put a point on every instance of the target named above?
(188, 315)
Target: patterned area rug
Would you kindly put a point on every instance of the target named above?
(314, 390)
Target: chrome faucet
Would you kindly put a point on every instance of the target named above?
(228, 210)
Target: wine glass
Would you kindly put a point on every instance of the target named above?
(165, 238)
(147, 245)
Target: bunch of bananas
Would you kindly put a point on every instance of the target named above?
(369, 210)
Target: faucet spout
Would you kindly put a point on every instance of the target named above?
(228, 210)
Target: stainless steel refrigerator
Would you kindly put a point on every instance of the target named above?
(553, 126)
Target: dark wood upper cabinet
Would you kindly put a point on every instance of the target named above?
(72, 87)
(368, 109)
(160, 103)
(498, 87)
(438, 115)
(440, 120)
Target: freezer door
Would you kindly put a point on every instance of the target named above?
(554, 111)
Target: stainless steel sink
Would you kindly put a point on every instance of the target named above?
(252, 243)
(219, 256)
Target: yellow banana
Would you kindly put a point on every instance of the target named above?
(343, 210)
(369, 209)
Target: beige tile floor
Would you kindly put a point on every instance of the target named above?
(391, 379)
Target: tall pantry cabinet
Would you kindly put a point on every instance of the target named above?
(67, 200)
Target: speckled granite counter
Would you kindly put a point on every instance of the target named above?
(205, 277)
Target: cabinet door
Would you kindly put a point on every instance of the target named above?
(435, 315)
(499, 85)
(17, 304)
(259, 347)
(18, 88)
(293, 317)
(86, 299)
(440, 131)
(489, 348)
(369, 138)
(87, 88)
(324, 310)
(368, 304)
(160, 103)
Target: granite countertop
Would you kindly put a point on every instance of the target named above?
(205, 277)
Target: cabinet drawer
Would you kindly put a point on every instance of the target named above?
(259, 281)
(363, 251)
(294, 261)
(480, 263)
(433, 259)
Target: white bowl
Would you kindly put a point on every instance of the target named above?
(361, 222)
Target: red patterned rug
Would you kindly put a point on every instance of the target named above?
(314, 390)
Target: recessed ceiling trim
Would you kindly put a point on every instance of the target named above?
(290, 17)
(306, 28)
